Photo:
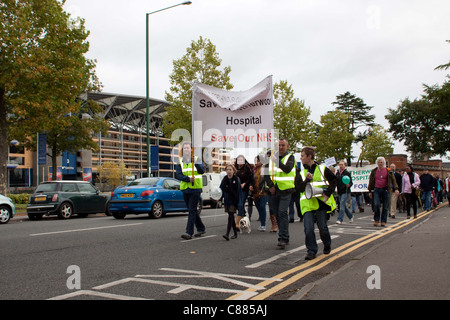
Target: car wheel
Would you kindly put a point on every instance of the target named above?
(216, 204)
(119, 215)
(107, 212)
(5, 214)
(199, 207)
(65, 210)
(157, 210)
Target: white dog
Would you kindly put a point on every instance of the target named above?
(244, 224)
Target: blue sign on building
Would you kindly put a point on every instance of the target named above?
(42, 148)
(69, 163)
(154, 158)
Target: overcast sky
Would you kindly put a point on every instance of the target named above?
(381, 51)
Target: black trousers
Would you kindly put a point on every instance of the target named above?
(411, 199)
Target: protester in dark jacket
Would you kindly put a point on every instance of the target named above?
(427, 184)
(343, 190)
(231, 191)
(244, 172)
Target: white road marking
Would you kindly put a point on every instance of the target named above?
(199, 238)
(95, 293)
(87, 229)
(181, 287)
(281, 255)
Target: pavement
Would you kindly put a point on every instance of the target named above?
(410, 265)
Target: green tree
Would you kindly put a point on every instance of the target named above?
(43, 69)
(423, 125)
(333, 138)
(291, 117)
(358, 115)
(113, 174)
(377, 144)
(200, 63)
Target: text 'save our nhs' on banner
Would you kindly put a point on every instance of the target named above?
(233, 119)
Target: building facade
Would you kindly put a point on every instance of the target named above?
(126, 141)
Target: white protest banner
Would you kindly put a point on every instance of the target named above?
(330, 161)
(233, 119)
(360, 177)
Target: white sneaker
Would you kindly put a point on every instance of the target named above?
(261, 228)
(351, 220)
(338, 222)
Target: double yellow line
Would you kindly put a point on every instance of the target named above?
(314, 265)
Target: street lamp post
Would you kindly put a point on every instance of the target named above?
(147, 84)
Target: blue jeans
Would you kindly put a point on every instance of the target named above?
(242, 199)
(357, 200)
(279, 204)
(260, 204)
(343, 198)
(295, 201)
(310, 237)
(380, 196)
(427, 198)
(191, 200)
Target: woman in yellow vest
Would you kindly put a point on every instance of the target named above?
(320, 205)
(191, 186)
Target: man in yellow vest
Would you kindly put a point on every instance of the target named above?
(320, 205)
(281, 183)
(190, 175)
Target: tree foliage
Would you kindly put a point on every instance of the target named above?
(423, 125)
(291, 117)
(113, 174)
(358, 115)
(357, 111)
(377, 144)
(43, 69)
(333, 139)
(200, 63)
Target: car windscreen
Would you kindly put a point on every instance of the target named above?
(46, 187)
(145, 181)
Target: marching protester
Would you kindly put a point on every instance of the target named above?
(259, 193)
(344, 183)
(410, 186)
(189, 171)
(380, 181)
(273, 220)
(394, 196)
(245, 174)
(439, 188)
(427, 184)
(318, 207)
(281, 184)
(231, 191)
(447, 188)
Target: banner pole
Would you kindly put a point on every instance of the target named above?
(193, 164)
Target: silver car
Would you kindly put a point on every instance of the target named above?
(7, 209)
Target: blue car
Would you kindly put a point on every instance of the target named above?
(154, 196)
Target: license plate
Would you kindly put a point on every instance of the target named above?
(127, 195)
(37, 199)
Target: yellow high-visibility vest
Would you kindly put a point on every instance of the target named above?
(187, 171)
(281, 179)
(318, 182)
